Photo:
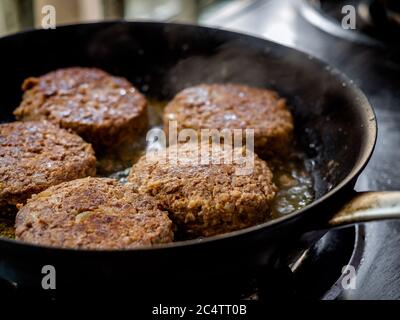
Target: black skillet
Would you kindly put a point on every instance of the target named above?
(335, 126)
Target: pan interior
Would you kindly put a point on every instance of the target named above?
(335, 128)
(292, 173)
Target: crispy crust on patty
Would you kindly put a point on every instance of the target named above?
(232, 106)
(35, 155)
(93, 213)
(206, 199)
(104, 110)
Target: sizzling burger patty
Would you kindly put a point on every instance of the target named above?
(35, 155)
(104, 110)
(206, 199)
(93, 213)
(219, 106)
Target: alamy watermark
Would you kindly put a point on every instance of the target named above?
(48, 17)
(214, 146)
(349, 277)
(349, 18)
(49, 278)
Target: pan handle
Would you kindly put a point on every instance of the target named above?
(368, 206)
(359, 208)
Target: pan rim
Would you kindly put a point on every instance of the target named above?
(369, 123)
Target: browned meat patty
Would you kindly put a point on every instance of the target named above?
(104, 110)
(35, 155)
(206, 199)
(93, 213)
(219, 106)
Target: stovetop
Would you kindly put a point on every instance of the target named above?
(375, 68)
